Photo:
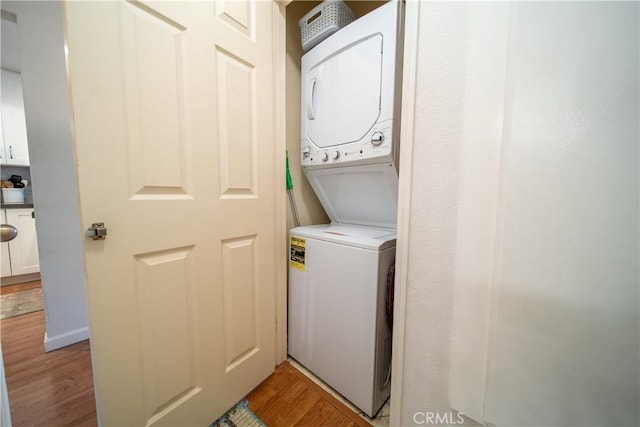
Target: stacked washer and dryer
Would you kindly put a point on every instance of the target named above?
(338, 272)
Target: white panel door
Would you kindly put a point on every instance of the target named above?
(175, 149)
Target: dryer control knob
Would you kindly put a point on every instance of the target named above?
(377, 138)
(335, 155)
(325, 156)
(306, 151)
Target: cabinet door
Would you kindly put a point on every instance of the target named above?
(3, 157)
(14, 126)
(5, 268)
(24, 248)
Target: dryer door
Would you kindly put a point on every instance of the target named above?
(341, 91)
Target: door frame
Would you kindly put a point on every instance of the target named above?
(405, 174)
(280, 137)
(409, 81)
(409, 84)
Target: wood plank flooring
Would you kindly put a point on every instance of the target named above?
(56, 389)
(9, 289)
(52, 389)
(288, 398)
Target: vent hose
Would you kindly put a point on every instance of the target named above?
(391, 275)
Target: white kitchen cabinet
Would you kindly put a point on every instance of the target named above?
(15, 149)
(5, 268)
(2, 147)
(23, 250)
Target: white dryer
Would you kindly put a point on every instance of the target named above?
(350, 102)
(349, 143)
(350, 118)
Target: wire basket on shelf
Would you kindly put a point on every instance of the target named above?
(324, 20)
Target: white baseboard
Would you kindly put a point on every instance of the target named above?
(63, 340)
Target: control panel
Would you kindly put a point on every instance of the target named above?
(376, 146)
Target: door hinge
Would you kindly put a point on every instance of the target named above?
(97, 231)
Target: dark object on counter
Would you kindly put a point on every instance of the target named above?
(16, 180)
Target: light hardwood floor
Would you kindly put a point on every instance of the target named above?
(288, 398)
(56, 388)
(53, 389)
(9, 289)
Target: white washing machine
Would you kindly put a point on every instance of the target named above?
(337, 317)
(349, 144)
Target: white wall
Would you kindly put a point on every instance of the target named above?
(52, 169)
(429, 188)
(566, 330)
(519, 216)
(478, 214)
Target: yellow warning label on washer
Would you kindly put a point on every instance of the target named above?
(298, 249)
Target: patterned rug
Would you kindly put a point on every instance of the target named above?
(21, 302)
(239, 416)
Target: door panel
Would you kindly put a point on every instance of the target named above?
(153, 71)
(237, 127)
(240, 283)
(163, 283)
(181, 293)
(238, 14)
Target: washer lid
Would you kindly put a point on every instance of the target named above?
(360, 195)
(362, 237)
